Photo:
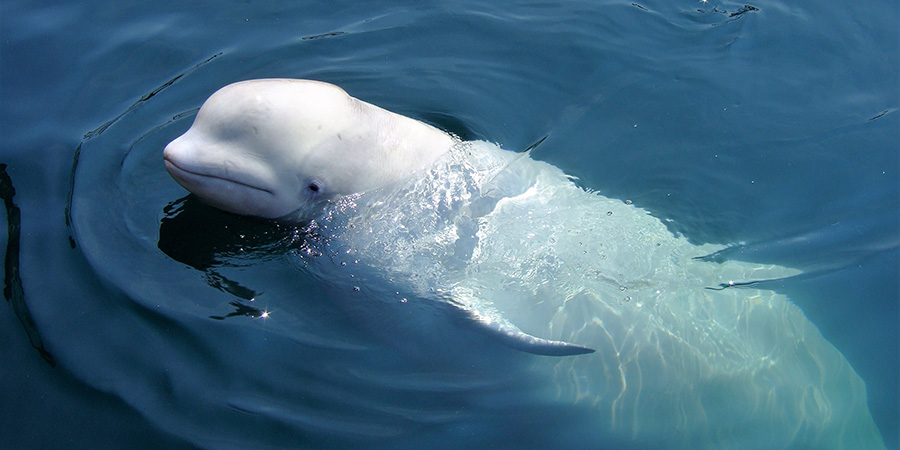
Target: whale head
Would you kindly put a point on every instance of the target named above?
(282, 148)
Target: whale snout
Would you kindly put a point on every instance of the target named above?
(179, 158)
(186, 166)
(232, 185)
(170, 159)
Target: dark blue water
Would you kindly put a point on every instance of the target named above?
(774, 128)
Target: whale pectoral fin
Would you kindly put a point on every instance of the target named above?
(539, 346)
(516, 339)
(486, 319)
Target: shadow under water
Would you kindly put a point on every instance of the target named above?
(207, 239)
(13, 290)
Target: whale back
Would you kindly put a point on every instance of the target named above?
(516, 244)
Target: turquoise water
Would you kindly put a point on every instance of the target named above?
(772, 128)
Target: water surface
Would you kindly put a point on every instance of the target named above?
(772, 128)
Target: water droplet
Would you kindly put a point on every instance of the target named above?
(609, 213)
(343, 263)
(355, 288)
(627, 202)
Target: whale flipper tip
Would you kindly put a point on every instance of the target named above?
(518, 340)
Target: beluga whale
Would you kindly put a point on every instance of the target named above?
(282, 149)
(668, 343)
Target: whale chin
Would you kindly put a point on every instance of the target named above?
(182, 176)
(228, 194)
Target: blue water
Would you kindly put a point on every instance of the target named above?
(773, 128)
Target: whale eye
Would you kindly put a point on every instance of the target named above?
(314, 188)
(311, 188)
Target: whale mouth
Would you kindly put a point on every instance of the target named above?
(194, 177)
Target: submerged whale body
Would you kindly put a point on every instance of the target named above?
(668, 349)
